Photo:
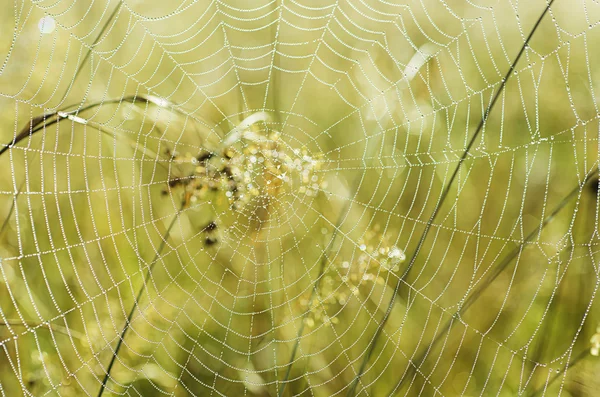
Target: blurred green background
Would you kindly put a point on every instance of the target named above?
(288, 300)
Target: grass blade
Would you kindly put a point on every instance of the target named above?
(492, 276)
(371, 347)
(136, 304)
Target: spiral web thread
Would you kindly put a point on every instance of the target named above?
(299, 198)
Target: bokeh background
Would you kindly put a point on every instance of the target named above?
(290, 294)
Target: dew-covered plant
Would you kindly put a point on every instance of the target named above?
(257, 167)
(174, 236)
(375, 257)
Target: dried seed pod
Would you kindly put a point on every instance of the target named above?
(204, 156)
(593, 185)
(210, 241)
(210, 227)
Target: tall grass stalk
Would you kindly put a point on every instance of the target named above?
(492, 276)
(490, 107)
(136, 303)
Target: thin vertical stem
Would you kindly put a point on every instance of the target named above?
(136, 304)
(371, 347)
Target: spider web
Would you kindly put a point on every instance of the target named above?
(358, 197)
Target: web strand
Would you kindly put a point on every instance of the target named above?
(299, 198)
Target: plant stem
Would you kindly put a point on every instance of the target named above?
(371, 347)
(136, 304)
(483, 286)
(583, 354)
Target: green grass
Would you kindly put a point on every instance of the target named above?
(483, 174)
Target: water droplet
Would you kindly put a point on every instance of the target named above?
(47, 25)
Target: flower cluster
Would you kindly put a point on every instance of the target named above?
(376, 256)
(253, 168)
